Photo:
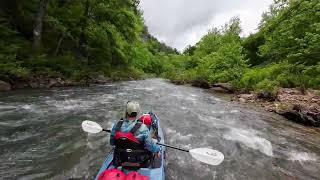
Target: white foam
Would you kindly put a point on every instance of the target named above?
(182, 107)
(7, 107)
(216, 99)
(145, 88)
(302, 156)
(190, 99)
(71, 104)
(234, 111)
(104, 99)
(250, 139)
(223, 112)
(28, 107)
(218, 112)
(177, 135)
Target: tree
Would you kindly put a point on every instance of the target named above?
(37, 31)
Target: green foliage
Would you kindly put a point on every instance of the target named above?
(217, 57)
(293, 33)
(251, 46)
(80, 38)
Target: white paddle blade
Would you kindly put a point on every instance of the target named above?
(208, 156)
(91, 127)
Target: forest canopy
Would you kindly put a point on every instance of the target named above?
(75, 39)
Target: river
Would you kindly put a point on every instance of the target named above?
(41, 138)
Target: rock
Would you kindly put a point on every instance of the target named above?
(220, 90)
(225, 86)
(266, 96)
(34, 84)
(176, 82)
(245, 98)
(302, 108)
(242, 100)
(4, 86)
(201, 83)
(52, 83)
(20, 85)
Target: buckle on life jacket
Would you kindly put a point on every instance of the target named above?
(129, 150)
(130, 164)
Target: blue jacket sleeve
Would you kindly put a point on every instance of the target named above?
(112, 135)
(149, 144)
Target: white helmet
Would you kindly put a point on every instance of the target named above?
(132, 109)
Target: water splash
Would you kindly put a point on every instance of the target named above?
(250, 139)
(302, 156)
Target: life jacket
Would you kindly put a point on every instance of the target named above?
(129, 151)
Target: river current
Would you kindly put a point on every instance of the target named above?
(41, 137)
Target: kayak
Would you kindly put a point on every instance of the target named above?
(156, 171)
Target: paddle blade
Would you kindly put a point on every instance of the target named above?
(208, 156)
(91, 127)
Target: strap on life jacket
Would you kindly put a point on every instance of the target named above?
(129, 135)
(136, 127)
(119, 125)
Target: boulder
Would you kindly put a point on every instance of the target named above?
(4, 86)
(226, 86)
(201, 83)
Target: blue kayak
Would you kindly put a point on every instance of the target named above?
(154, 172)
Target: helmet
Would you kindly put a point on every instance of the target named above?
(146, 119)
(132, 109)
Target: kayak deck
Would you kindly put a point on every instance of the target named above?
(157, 173)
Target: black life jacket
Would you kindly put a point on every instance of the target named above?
(129, 151)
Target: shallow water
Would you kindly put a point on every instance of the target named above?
(41, 138)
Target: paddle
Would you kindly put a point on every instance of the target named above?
(205, 155)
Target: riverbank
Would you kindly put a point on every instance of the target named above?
(299, 106)
(44, 81)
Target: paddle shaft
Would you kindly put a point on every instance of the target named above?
(173, 147)
(166, 145)
(106, 130)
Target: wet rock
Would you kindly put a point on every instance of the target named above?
(266, 96)
(4, 86)
(243, 98)
(201, 83)
(225, 86)
(297, 106)
(176, 82)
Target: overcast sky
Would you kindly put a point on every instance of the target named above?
(182, 22)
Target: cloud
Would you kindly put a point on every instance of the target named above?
(182, 22)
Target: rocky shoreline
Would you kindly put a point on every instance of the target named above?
(293, 104)
(42, 81)
(302, 107)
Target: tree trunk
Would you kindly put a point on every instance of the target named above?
(37, 31)
(82, 39)
(58, 45)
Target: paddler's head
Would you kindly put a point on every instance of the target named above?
(132, 110)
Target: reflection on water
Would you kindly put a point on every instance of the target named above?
(41, 138)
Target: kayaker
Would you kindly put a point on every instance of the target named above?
(151, 122)
(132, 138)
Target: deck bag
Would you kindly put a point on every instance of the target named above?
(133, 175)
(112, 174)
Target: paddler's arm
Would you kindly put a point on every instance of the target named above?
(149, 144)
